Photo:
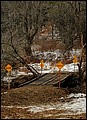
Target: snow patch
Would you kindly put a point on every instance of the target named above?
(36, 109)
(3, 93)
(76, 95)
(77, 105)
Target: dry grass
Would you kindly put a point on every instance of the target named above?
(34, 95)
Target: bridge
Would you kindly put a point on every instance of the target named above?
(47, 79)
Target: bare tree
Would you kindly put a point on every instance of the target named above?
(22, 20)
(20, 23)
(70, 19)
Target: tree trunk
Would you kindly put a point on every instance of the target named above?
(82, 69)
(28, 50)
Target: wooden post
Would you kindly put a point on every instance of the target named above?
(41, 70)
(74, 61)
(8, 85)
(8, 81)
(74, 67)
(59, 77)
(8, 68)
(60, 66)
(42, 65)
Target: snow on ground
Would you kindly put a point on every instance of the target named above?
(72, 67)
(47, 69)
(57, 54)
(74, 95)
(4, 93)
(23, 73)
(77, 105)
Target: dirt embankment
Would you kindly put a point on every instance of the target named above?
(33, 95)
